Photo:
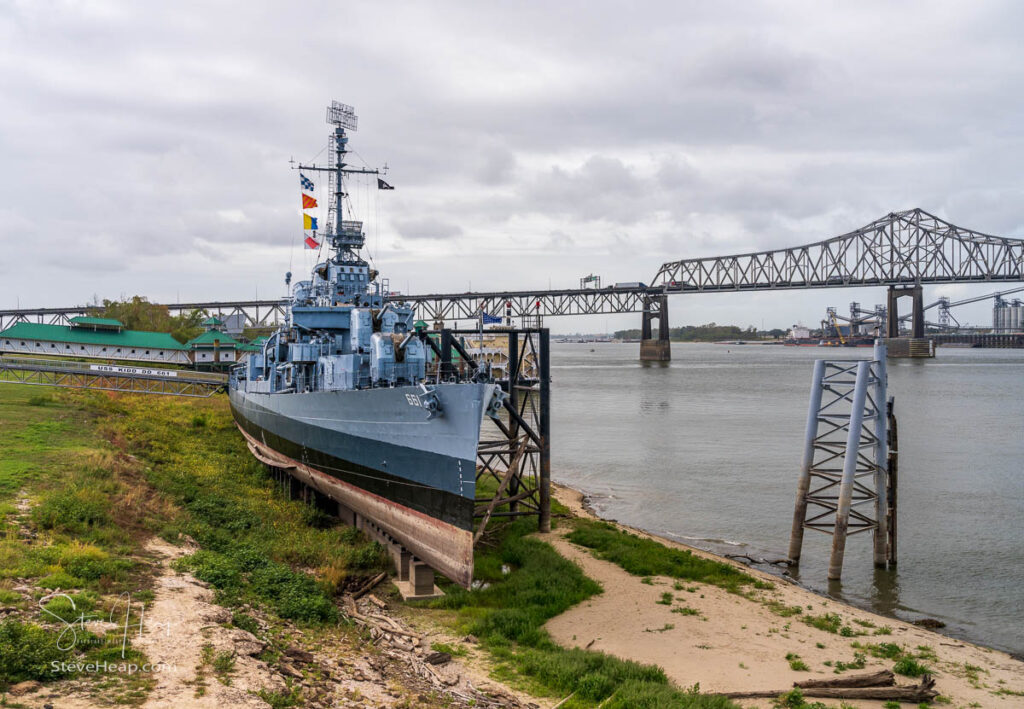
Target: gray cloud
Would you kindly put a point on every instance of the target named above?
(150, 143)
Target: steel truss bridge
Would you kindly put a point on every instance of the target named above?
(902, 249)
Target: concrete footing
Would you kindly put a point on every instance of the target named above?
(910, 347)
(655, 351)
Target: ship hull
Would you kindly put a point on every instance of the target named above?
(378, 454)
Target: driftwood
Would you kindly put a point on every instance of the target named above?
(915, 693)
(883, 678)
(366, 587)
(752, 560)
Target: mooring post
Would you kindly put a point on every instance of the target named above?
(881, 427)
(893, 486)
(796, 536)
(544, 338)
(835, 564)
(512, 370)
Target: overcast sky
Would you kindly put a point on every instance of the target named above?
(145, 146)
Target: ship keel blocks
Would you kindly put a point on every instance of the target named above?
(429, 542)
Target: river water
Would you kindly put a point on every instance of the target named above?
(706, 450)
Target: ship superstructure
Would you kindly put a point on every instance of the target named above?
(339, 396)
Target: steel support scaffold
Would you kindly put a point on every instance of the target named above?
(844, 486)
(513, 472)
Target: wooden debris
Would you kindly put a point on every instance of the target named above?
(914, 693)
(883, 678)
(376, 601)
(369, 585)
(437, 658)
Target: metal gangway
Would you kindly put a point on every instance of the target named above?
(109, 377)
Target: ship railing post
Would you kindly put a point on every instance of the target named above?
(796, 536)
(881, 426)
(545, 430)
(853, 440)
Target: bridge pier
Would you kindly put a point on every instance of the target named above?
(651, 349)
(916, 293)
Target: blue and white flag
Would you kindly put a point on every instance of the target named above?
(490, 319)
(307, 184)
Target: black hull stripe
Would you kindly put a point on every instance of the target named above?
(444, 506)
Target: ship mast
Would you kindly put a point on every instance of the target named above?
(346, 236)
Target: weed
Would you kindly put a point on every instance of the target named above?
(782, 609)
(884, 630)
(794, 699)
(829, 622)
(26, 652)
(857, 663)
(795, 663)
(281, 700)
(662, 629)
(685, 610)
(886, 651)
(890, 705)
(647, 580)
(909, 667)
(666, 599)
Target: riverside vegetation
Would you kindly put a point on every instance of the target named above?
(87, 477)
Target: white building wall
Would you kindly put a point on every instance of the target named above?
(73, 349)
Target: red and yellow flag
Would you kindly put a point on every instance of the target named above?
(307, 201)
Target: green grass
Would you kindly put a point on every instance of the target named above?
(645, 557)
(252, 538)
(508, 614)
(103, 473)
(795, 663)
(909, 667)
(794, 699)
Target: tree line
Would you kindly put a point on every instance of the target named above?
(709, 332)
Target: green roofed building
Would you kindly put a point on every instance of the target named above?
(97, 323)
(94, 338)
(213, 348)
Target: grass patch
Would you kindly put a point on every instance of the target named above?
(794, 699)
(508, 613)
(666, 599)
(685, 610)
(857, 663)
(829, 622)
(782, 609)
(795, 663)
(645, 557)
(909, 667)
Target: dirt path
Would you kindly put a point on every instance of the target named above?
(181, 621)
(736, 644)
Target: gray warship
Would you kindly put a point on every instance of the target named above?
(339, 396)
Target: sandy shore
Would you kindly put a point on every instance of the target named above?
(736, 644)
